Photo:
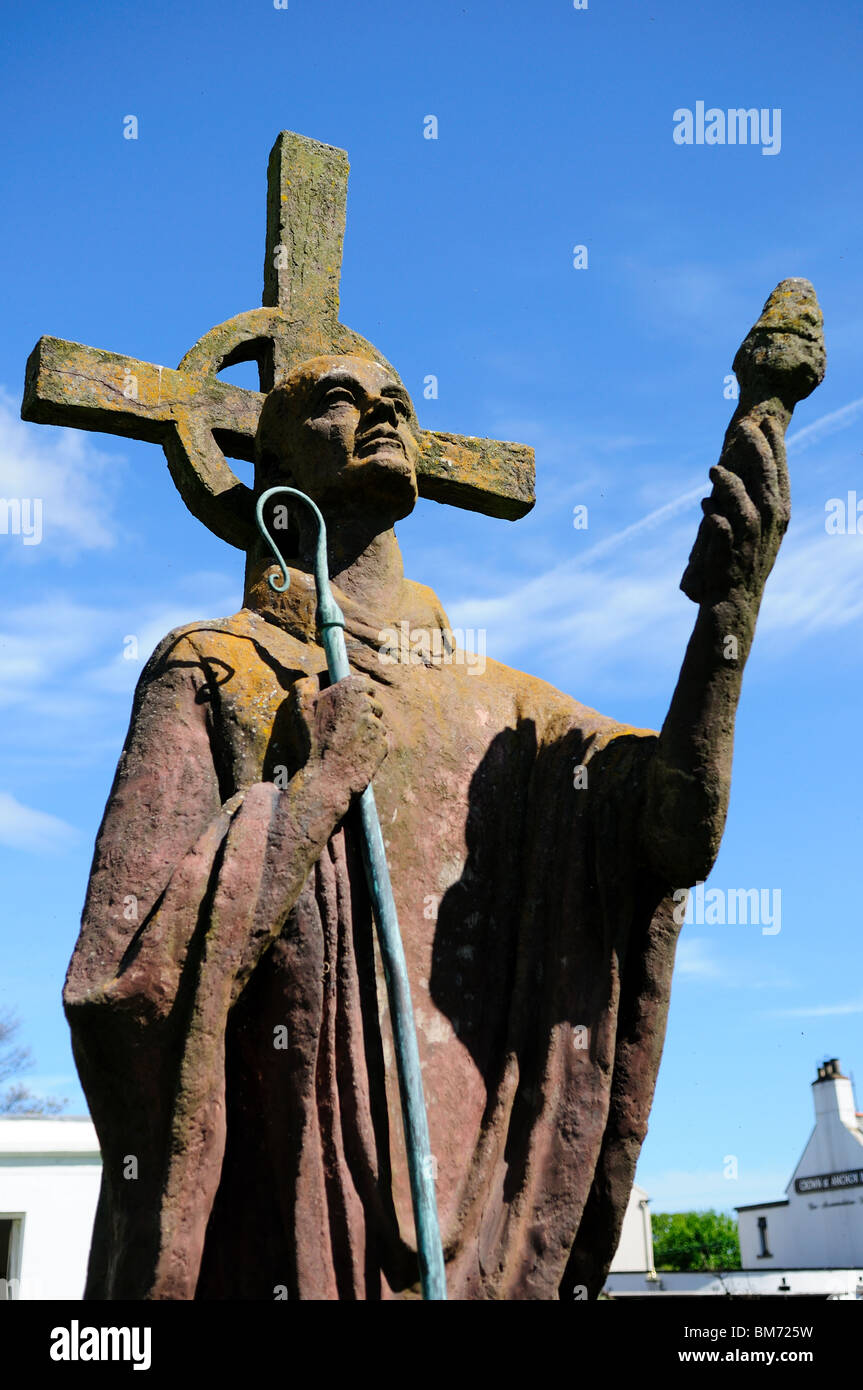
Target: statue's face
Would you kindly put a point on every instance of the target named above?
(345, 430)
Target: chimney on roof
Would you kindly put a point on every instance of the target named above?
(833, 1094)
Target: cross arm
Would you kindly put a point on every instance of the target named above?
(491, 476)
(86, 388)
(69, 384)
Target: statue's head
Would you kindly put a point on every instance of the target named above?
(342, 430)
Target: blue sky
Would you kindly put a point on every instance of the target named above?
(555, 128)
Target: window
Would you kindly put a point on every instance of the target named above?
(763, 1253)
(10, 1256)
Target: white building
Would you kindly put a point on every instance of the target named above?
(50, 1171)
(807, 1245)
(819, 1222)
(634, 1252)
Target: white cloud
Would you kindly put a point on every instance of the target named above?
(75, 481)
(695, 960)
(854, 1006)
(625, 586)
(590, 609)
(698, 958)
(21, 827)
(62, 669)
(39, 642)
(818, 587)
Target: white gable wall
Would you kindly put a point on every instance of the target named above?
(822, 1226)
(635, 1247)
(50, 1172)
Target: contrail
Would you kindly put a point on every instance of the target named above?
(827, 424)
(810, 434)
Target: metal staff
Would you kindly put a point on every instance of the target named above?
(331, 622)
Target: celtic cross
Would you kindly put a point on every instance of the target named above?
(201, 421)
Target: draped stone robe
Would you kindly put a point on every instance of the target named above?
(247, 1107)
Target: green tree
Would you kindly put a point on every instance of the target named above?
(18, 1099)
(695, 1240)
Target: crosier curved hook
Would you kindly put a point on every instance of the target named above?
(330, 616)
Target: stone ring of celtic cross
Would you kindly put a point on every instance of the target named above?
(196, 449)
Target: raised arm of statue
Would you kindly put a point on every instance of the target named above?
(780, 362)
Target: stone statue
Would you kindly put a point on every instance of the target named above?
(229, 1019)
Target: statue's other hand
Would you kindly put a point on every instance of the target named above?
(341, 728)
(745, 516)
